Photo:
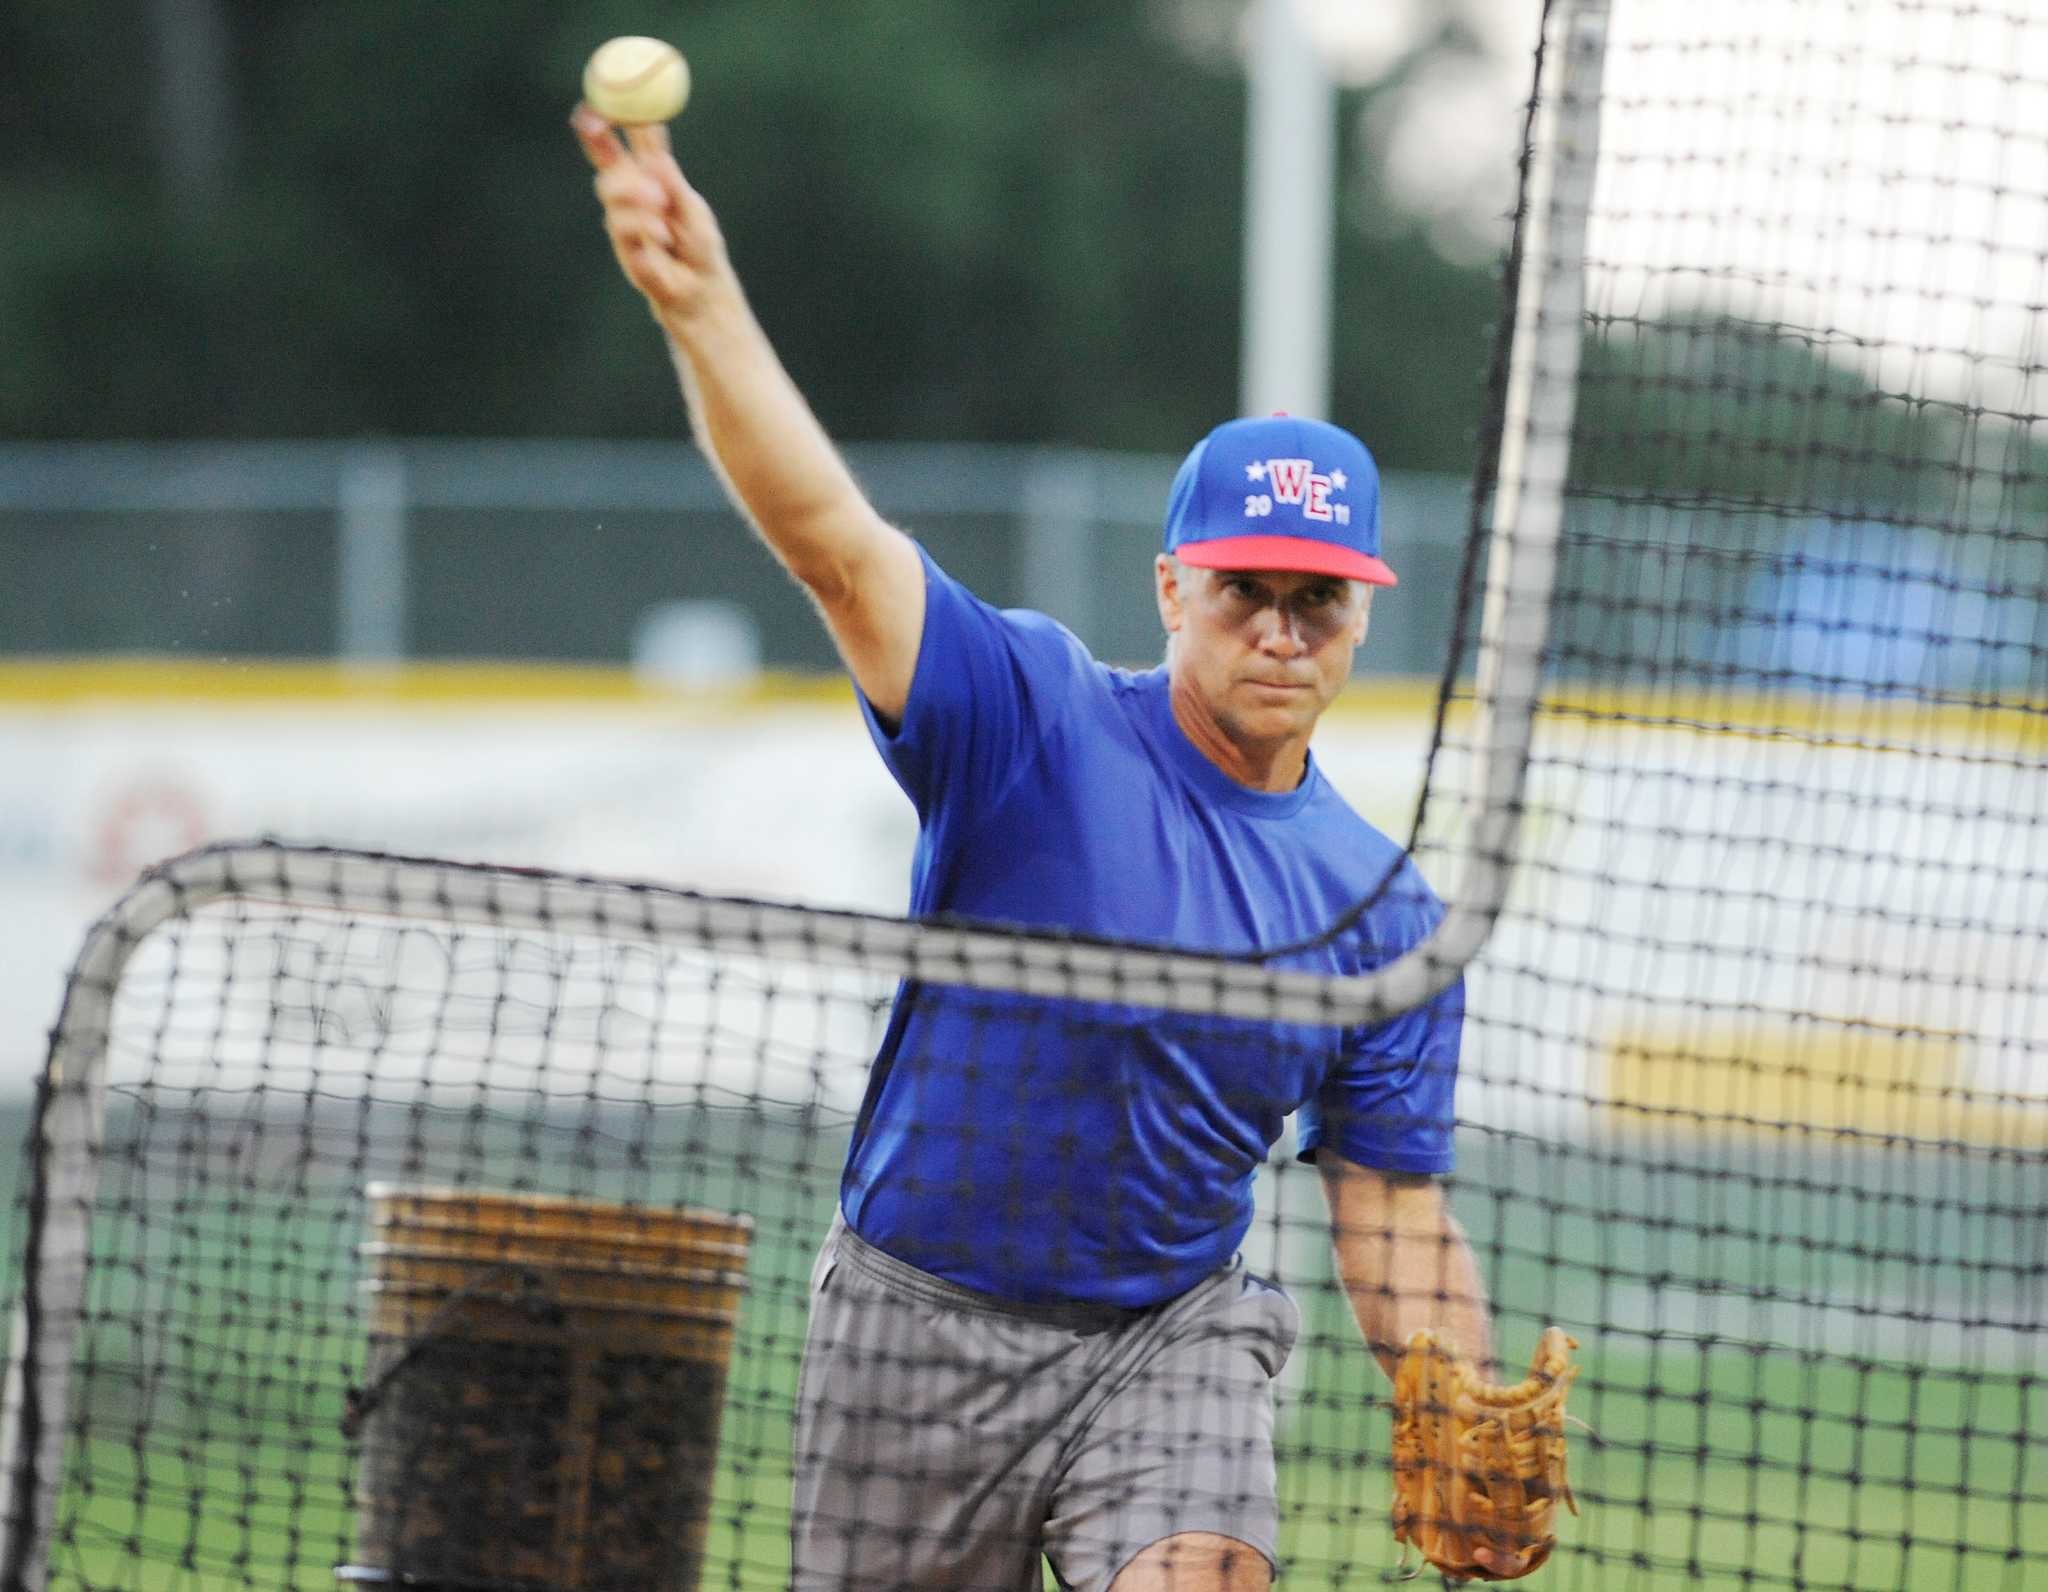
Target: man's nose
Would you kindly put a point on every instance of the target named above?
(1280, 632)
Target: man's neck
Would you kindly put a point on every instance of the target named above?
(1262, 765)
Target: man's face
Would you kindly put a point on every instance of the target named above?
(1264, 650)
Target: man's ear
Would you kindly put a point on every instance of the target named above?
(1166, 579)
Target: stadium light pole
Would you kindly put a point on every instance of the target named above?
(195, 118)
(370, 513)
(1290, 200)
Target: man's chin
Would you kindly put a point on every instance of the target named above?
(1274, 722)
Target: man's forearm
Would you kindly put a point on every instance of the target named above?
(1406, 1264)
(1398, 1284)
(769, 449)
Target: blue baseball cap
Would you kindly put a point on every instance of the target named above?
(1279, 493)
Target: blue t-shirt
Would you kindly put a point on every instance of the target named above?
(1059, 1150)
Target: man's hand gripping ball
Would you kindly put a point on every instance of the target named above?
(664, 234)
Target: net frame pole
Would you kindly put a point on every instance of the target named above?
(1535, 453)
(1538, 411)
(71, 1104)
(68, 1130)
(65, 1139)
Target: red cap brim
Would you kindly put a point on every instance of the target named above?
(1300, 554)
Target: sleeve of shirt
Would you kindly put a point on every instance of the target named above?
(984, 681)
(1389, 1103)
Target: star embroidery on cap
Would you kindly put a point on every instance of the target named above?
(1255, 471)
(1339, 480)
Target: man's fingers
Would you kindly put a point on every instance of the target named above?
(660, 229)
(639, 169)
(599, 142)
(633, 226)
(656, 155)
(655, 273)
(650, 142)
(628, 186)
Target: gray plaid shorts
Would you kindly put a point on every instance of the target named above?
(945, 1438)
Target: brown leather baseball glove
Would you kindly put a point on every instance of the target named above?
(1478, 1465)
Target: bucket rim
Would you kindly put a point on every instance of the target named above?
(382, 1190)
(507, 1245)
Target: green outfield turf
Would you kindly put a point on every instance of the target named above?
(232, 1507)
(224, 1331)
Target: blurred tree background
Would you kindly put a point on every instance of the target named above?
(1017, 220)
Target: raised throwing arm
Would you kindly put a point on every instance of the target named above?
(774, 457)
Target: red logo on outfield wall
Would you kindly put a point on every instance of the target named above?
(149, 820)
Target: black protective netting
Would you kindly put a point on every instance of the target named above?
(1759, 1049)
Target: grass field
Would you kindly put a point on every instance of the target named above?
(224, 1329)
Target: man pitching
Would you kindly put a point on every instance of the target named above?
(1029, 1331)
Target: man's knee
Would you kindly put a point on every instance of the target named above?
(1196, 1561)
